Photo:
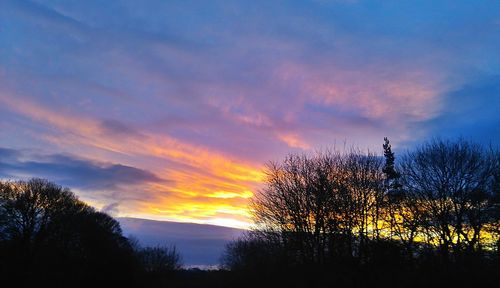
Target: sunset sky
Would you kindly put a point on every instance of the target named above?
(169, 110)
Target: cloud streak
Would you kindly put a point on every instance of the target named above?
(202, 94)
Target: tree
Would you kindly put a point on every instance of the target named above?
(159, 260)
(391, 174)
(389, 166)
(47, 235)
(28, 208)
(322, 202)
(402, 212)
(362, 182)
(297, 204)
(453, 184)
(254, 252)
(327, 215)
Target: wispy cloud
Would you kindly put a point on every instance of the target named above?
(204, 93)
(97, 181)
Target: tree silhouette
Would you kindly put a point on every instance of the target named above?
(159, 260)
(430, 218)
(322, 219)
(321, 203)
(49, 236)
(389, 169)
(454, 182)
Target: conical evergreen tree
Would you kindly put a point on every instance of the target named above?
(389, 169)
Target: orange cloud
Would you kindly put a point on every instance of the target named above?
(293, 140)
(203, 185)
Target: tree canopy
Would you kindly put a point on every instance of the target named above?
(47, 234)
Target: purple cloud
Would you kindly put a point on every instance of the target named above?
(204, 93)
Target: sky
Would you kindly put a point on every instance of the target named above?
(169, 110)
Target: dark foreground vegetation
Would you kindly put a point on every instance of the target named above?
(358, 219)
(48, 236)
(327, 219)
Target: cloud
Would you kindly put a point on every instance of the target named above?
(73, 171)
(118, 128)
(203, 179)
(97, 182)
(471, 111)
(9, 154)
(111, 209)
(205, 93)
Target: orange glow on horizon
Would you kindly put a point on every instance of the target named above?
(210, 187)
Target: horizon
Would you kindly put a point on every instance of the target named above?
(170, 111)
(246, 228)
(198, 244)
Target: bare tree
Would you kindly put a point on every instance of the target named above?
(159, 260)
(363, 179)
(296, 203)
(452, 184)
(255, 251)
(316, 201)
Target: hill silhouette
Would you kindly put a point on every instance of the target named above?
(200, 245)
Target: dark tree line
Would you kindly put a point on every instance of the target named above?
(435, 211)
(428, 217)
(48, 236)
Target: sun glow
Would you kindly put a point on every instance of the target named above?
(206, 187)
